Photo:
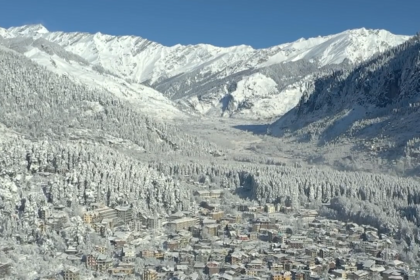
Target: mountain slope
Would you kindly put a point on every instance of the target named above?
(58, 60)
(200, 76)
(374, 107)
(38, 103)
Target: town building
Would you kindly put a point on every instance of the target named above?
(183, 223)
(150, 274)
(124, 213)
(154, 222)
(269, 208)
(71, 273)
(209, 194)
(216, 215)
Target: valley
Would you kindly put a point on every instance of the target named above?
(108, 138)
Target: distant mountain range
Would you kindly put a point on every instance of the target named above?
(202, 79)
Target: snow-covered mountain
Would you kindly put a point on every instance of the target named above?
(234, 81)
(374, 108)
(77, 69)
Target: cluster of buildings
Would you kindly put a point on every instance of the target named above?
(253, 242)
(265, 242)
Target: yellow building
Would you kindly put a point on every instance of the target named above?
(147, 254)
(100, 249)
(159, 254)
(150, 274)
(217, 215)
(269, 208)
(281, 276)
(90, 217)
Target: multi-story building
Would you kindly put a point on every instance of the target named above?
(154, 222)
(269, 208)
(256, 227)
(212, 268)
(43, 213)
(100, 249)
(150, 274)
(71, 273)
(217, 215)
(296, 244)
(159, 255)
(147, 254)
(90, 217)
(98, 261)
(106, 213)
(210, 230)
(172, 245)
(183, 223)
(253, 235)
(298, 275)
(233, 219)
(243, 208)
(326, 253)
(124, 213)
(121, 270)
(281, 276)
(312, 252)
(206, 194)
(128, 254)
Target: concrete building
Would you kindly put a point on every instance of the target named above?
(106, 213)
(98, 261)
(150, 274)
(269, 208)
(210, 230)
(128, 254)
(212, 268)
(281, 276)
(43, 213)
(217, 215)
(124, 213)
(90, 217)
(154, 222)
(206, 194)
(183, 223)
(71, 273)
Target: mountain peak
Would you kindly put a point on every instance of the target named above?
(28, 30)
(373, 32)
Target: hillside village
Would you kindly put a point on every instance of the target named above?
(201, 241)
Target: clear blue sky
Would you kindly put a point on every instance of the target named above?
(259, 23)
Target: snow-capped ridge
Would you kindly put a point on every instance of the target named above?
(184, 71)
(28, 30)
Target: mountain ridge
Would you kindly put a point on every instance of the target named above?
(198, 76)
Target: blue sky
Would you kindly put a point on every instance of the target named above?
(259, 23)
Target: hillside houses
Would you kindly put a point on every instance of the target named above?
(260, 242)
